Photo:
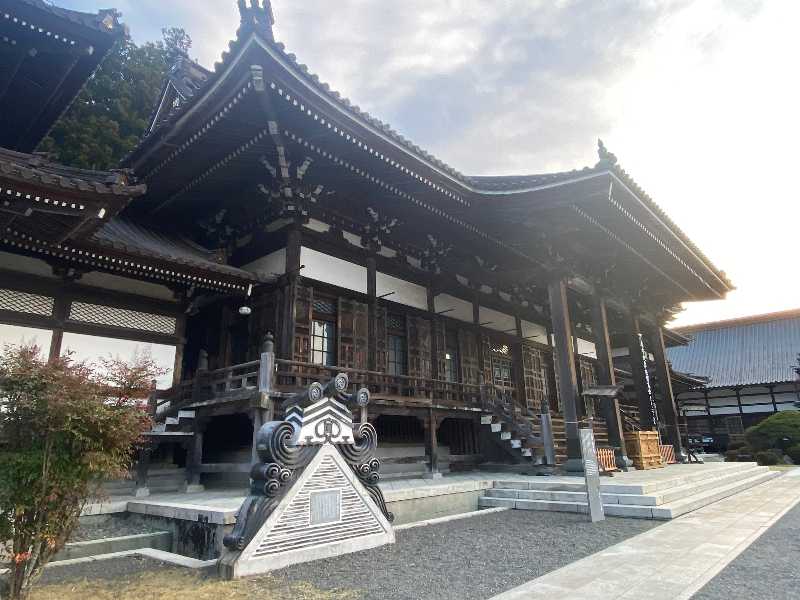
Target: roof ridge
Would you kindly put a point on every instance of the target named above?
(781, 315)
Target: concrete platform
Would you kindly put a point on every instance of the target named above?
(661, 494)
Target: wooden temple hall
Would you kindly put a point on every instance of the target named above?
(267, 233)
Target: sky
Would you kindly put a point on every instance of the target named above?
(697, 98)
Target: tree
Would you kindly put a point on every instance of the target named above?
(63, 428)
(109, 116)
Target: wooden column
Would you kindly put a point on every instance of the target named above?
(180, 331)
(372, 305)
(61, 308)
(565, 367)
(435, 350)
(668, 409)
(772, 396)
(647, 419)
(432, 446)
(606, 376)
(293, 245)
(195, 458)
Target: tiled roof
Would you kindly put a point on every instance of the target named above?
(105, 20)
(511, 183)
(37, 169)
(129, 237)
(749, 351)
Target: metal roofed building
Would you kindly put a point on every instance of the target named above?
(750, 365)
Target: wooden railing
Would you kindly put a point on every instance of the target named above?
(293, 375)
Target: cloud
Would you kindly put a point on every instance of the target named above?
(696, 97)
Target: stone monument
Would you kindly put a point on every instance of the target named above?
(314, 490)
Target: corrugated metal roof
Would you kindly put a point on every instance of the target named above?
(756, 350)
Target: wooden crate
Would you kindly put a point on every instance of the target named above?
(643, 449)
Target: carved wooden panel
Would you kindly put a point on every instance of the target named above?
(419, 347)
(440, 335)
(534, 378)
(381, 344)
(353, 331)
(468, 353)
(302, 330)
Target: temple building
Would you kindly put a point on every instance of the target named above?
(749, 370)
(264, 210)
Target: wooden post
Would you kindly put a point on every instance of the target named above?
(606, 375)
(142, 468)
(565, 367)
(293, 248)
(61, 308)
(266, 372)
(647, 420)
(772, 396)
(433, 446)
(258, 420)
(668, 410)
(177, 368)
(372, 305)
(195, 458)
(435, 350)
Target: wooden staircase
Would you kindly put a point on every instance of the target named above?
(181, 425)
(560, 435)
(518, 433)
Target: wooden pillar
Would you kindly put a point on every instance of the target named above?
(180, 332)
(772, 396)
(372, 306)
(738, 391)
(432, 444)
(61, 308)
(293, 246)
(647, 420)
(195, 458)
(142, 469)
(565, 367)
(606, 375)
(668, 410)
(435, 350)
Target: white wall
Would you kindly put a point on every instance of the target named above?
(497, 320)
(332, 270)
(271, 264)
(405, 292)
(25, 264)
(123, 284)
(462, 310)
(91, 348)
(14, 335)
(534, 329)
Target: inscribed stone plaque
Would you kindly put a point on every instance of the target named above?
(326, 507)
(592, 474)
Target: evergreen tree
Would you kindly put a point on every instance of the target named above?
(107, 119)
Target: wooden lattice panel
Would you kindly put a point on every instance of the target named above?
(124, 318)
(534, 370)
(23, 302)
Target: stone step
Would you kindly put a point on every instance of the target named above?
(661, 485)
(541, 484)
(186, 414)
(681, 507)
(516, 444)
(171, 421)
(496, 427)
(575, 501)
(486, 419)
(505, 435)
(527, 452)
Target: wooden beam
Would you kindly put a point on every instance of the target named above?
(669, 411)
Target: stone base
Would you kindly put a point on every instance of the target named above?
(435, 475)
(622, 462)
(194, 488)
(142, 492)
(573, 465)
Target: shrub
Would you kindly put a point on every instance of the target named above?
(731, 456)
(794, 453)
(736, 445)
(768, 458)
(63, 427)
(780, 430)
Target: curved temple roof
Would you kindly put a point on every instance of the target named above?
(436, 184)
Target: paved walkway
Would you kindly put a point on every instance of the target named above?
(676, 559)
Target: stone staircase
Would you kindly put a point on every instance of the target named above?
(661, 497)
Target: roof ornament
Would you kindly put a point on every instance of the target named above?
(258, 15)
(607, 159)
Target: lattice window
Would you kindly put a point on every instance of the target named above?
(323, 306)
(26, 303)
(396, 322)
(534, 365)
(587, 373)
(121, 317)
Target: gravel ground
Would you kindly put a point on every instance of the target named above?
(466, 559)
(98, 529)
(114, 568)
(472, 558)
(768, 568)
